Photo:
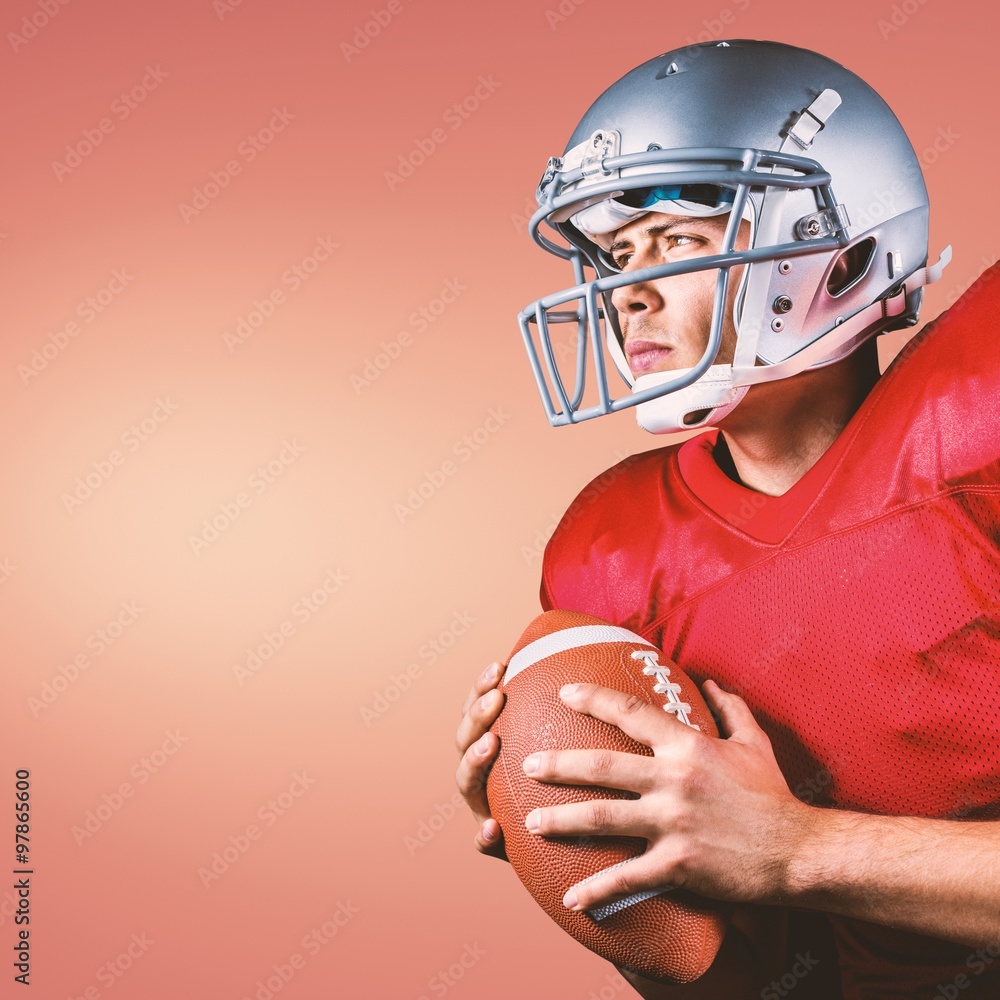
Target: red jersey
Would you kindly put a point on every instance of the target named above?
(858, 615)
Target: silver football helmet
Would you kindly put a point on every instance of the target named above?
(785, 138)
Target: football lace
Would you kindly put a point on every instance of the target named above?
(653, 668)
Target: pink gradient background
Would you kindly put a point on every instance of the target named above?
(473, 549)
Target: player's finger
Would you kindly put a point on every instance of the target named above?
(608, 768)
(733, 713)
(471, 778)
(632, 882)
(489, 840)
(479, 748)
(646, 723)
(488, 679)
(472, 772)
(478, 719)
(593, 818)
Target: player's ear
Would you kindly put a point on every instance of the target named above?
(850, 266)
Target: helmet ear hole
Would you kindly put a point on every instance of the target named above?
(851, 266)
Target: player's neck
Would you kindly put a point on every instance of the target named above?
(781, 429)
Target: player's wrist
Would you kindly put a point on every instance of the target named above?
(820, 856)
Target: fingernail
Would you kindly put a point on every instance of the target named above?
(489, 833)
(569, 900)
(533, 820)
(530, 763)
(492, 671)
(484, 702)
(568, 690)
(483, 744)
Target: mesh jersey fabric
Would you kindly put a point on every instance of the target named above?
(857, 614)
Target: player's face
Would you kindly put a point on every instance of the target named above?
(666, 322)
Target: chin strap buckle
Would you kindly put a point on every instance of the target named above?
(811, 121)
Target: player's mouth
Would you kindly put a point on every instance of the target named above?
(646, 356)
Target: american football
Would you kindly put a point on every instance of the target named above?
(670, 935)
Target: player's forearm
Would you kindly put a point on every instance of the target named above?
(935, 877)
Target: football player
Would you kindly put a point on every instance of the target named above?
(742, 219)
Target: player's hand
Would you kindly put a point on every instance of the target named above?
(717, 814)
(478, 748)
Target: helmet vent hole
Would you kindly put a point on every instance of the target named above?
(851, 266)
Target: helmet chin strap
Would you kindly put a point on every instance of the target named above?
(713, 392)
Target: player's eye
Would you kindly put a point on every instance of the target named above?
(621, 259)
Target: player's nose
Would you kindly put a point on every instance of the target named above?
(630, 300)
